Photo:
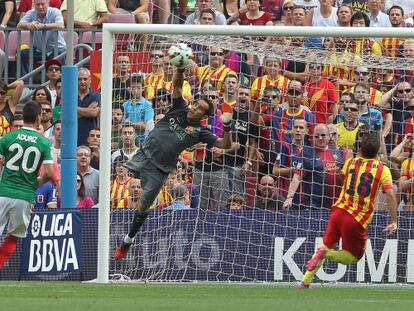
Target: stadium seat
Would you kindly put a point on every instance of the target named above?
(75, 38)
(88, 37)
(12, 42)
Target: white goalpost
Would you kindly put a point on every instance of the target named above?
(258, 233)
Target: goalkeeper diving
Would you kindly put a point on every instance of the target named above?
(351, 214)
(178, 130)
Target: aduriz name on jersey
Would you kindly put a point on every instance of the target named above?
(25, 137)
(52, 246)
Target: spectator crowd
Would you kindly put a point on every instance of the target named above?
(294, 122)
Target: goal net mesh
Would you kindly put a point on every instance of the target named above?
(231, 225)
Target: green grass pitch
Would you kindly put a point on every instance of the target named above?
(75, 296)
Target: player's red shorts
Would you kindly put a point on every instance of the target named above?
(342, 225)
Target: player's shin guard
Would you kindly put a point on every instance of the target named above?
(309, 275)
(342, 256)
(138, 221)
(7, 249)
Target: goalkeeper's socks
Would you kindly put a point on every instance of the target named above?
(128, 240)
(7, 249)
(137, 222)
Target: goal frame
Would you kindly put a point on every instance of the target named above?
(108, 32)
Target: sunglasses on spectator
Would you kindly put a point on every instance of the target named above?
(288, 8)
(46, 110)
(314, 66)
(349, 109)
(404, 91)
(362, 73)
(320, 136)
(333, 133)
(53, 69)
(216, 53)
(211, 96)
(344, 101)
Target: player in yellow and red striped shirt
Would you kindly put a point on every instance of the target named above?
(119, 188)
(215, 72)
(351, 214)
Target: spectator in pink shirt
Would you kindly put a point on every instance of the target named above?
(254, 15)
(82, 201)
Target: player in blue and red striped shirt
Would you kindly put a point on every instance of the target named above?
(284, 165)
(283, 120)
(318, 170)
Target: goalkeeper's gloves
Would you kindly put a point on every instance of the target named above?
(226, 118)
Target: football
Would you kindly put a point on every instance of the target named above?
(180, 55)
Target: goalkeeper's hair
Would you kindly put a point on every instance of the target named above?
(370, 144)
(211, 106)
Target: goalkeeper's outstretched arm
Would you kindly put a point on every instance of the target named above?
(226, 142)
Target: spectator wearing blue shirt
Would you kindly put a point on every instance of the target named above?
(42, 17)
(88, 106)
(371, 117)
(138, 111)
(46, 196)
(376, 17)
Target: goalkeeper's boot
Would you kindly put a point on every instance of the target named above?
(301, 285)
(316, 259)
(122, 251)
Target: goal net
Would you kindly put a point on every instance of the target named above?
(220, 216)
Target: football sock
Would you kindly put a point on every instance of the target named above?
(309, 275)
(342, 256)
(7, 249)
(137, 222)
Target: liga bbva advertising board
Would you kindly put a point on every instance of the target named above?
(53, 244)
